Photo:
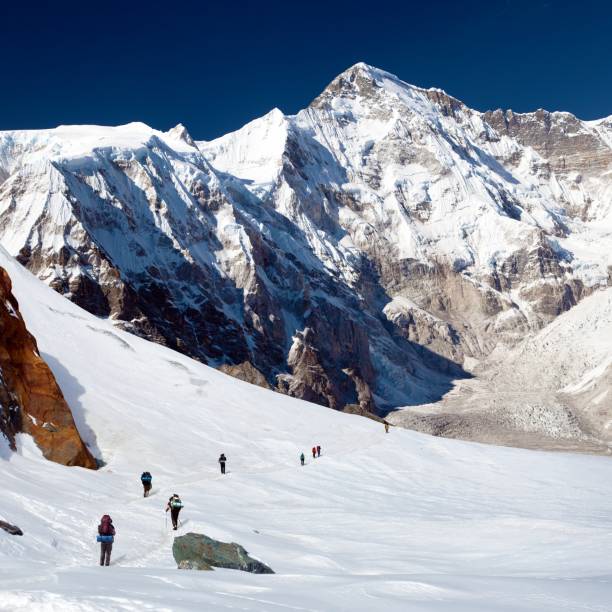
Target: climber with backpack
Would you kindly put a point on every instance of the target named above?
(146, 479)
(314, 452)
(302, 458)
(222, 460)
(106, 537)
(174, 505)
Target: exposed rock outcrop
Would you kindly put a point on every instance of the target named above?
(12, 529)
(30, 399)
(247, 372)
(197, 551)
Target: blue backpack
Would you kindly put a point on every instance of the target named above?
(106, 525)
(105, 538)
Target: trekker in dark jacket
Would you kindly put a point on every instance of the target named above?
(222, 460)
(146, 480)
(302, 458)
(106, 528)
(318, 450)
(174, 505)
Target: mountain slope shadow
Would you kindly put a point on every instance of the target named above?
(73, 390)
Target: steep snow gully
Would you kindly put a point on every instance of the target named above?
(381, 521)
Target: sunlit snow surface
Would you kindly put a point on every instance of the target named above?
(380, 522)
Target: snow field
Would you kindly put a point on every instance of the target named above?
(396, 521)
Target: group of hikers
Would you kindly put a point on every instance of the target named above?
(106, 529)
(316, 452)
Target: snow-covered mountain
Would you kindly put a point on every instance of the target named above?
(362, 254)
(398, 521)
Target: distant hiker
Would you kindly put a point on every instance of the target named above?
(106, 537)
(318, 451)
(146, 479)
(302, 458)
(314, 452)
(222, 460)
(386, 426)
(174, 505)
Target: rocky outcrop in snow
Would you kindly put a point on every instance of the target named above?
(198, 551)
(30, 400)
(247, 372)
(11, 529)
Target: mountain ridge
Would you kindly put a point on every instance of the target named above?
(365, 252)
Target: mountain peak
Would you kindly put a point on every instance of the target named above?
(179, 131)
(361, 68)
(360, 79)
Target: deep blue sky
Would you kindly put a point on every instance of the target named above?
(215, 66)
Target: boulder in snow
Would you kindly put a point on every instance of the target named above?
(12, 529)
(197, 551)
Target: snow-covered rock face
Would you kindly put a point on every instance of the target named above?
(485, 221)
(356, 253)
(126, 230)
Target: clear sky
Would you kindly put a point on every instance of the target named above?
(216, 65)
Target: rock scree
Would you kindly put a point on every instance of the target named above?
(198, 551)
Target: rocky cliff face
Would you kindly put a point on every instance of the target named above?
(30, 400)
(364, 252)
(550, 391)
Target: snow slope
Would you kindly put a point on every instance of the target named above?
(395, 522)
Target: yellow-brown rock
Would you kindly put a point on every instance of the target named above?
(30, 398)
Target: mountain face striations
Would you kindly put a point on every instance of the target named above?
(362, 254)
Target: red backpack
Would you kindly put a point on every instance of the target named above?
(106, 525)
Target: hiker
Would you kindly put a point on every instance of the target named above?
(302, 458)
(222, 460)
(174, 505)
(318, 451)
(106, 537)
(386, 426)
(146, 479)
(314, 452)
